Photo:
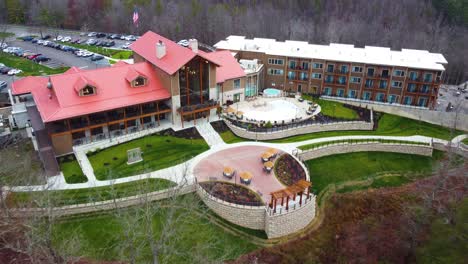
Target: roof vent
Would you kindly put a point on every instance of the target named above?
(193, 44)
(160, 49)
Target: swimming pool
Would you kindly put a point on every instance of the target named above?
(271, 92)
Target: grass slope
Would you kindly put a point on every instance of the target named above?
(362, 165)
(72, 171)
(28, 67)
(102, 237)
(333, 109)
(159, 152)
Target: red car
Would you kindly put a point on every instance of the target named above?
(32, 57)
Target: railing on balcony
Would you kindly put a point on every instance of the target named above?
(199, 107)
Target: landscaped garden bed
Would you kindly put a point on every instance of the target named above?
(71, 169)
(288, 170)
(159, 151)
(226, 133)
(232, 193)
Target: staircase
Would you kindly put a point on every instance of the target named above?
(209, 134)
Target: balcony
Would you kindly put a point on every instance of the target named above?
(210, 104)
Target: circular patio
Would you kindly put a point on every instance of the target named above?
(251, 167)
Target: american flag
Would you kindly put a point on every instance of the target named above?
(135, 17)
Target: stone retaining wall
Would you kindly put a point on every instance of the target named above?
(277, 225)
(338, 126)
(461, 149)
(340, 148)
(252, 217)
(104, 205)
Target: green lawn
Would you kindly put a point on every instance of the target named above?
(363, 165)
(231, 138)
(194, 239)
(76, 196)
(28, 67)
(159, 152)
(113, 53)
(389, 125)
(333, 109)
(71, 170)
(465, 141)
(6, 35)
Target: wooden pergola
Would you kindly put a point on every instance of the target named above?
(291, 191)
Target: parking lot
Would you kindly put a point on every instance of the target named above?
(448, 94)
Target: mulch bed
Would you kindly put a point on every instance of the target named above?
(288, 170)
(188, 133)
(232, 193)
(220, 126)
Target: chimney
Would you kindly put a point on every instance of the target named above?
(193, 44)
(160, 49)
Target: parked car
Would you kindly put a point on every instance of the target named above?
(4, 70)
(126, 45)
(92, 34)
(14, 72)
(110, 43)
(34, 41)
(3, 45)
(46, 37)
(27, 53)
(40, 41)
(91, 42)
(32, 57)
(3, 85)
(27, 38)
(130, 38)
(100, 35)
(59, 38)
(12, 49)
(41, 58)
(97, 57)
(80, 41)
(66, 39)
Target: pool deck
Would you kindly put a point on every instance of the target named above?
(261, 109)
(245, 158)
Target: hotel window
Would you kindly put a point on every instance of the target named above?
(303, 76)
(411, 87)
(344, 68)
(366, 96)
(357, 69)
(399, 73)
(425, 88)
(385, 73)
(422, 101)
(383, 84)
(342, 80)
(139, 81)
(305, 65)
(407, 100)
(292, 64)
(352, 93)
(276, 61)
(428, 77)
(330, 67)
(380, 97)
(392, 98)
(355, 79)
(327, 91)
(87, 90)
(291, 75)
(318, 65)
(329, 79)
(237, 84)
(397, 84)
(413, 75)
(369, 83)
(340, 92)
(317, 75)
(370, 71)
(272, 71)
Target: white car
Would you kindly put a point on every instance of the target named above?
(40, 41)
(89, 41)
(59, 37)
(92, 34)
(14, 72)
(3, 46)
(11, 49)
(45, 43)
(66, 39)
(126, 45)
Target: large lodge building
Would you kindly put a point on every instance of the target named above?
(406, 77)
(174, 84)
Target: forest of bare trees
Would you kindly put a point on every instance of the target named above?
(435, 25)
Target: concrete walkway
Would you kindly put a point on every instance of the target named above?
(183, 173)
(209, 134)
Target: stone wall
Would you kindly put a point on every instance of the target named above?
(252, 217)
(351, 125)
(277, 225)
(364, 146)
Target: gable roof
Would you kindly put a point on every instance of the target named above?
(27, 84)
(176, 55)
(113, 91)
(132, 74)
(229, 69)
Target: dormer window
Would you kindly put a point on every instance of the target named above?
(88, 90)
(139, 81)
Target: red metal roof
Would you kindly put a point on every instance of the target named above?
(176, 55)
(112, 91)
(27, 84)
(229, 69)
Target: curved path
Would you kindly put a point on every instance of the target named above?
(183, 173)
